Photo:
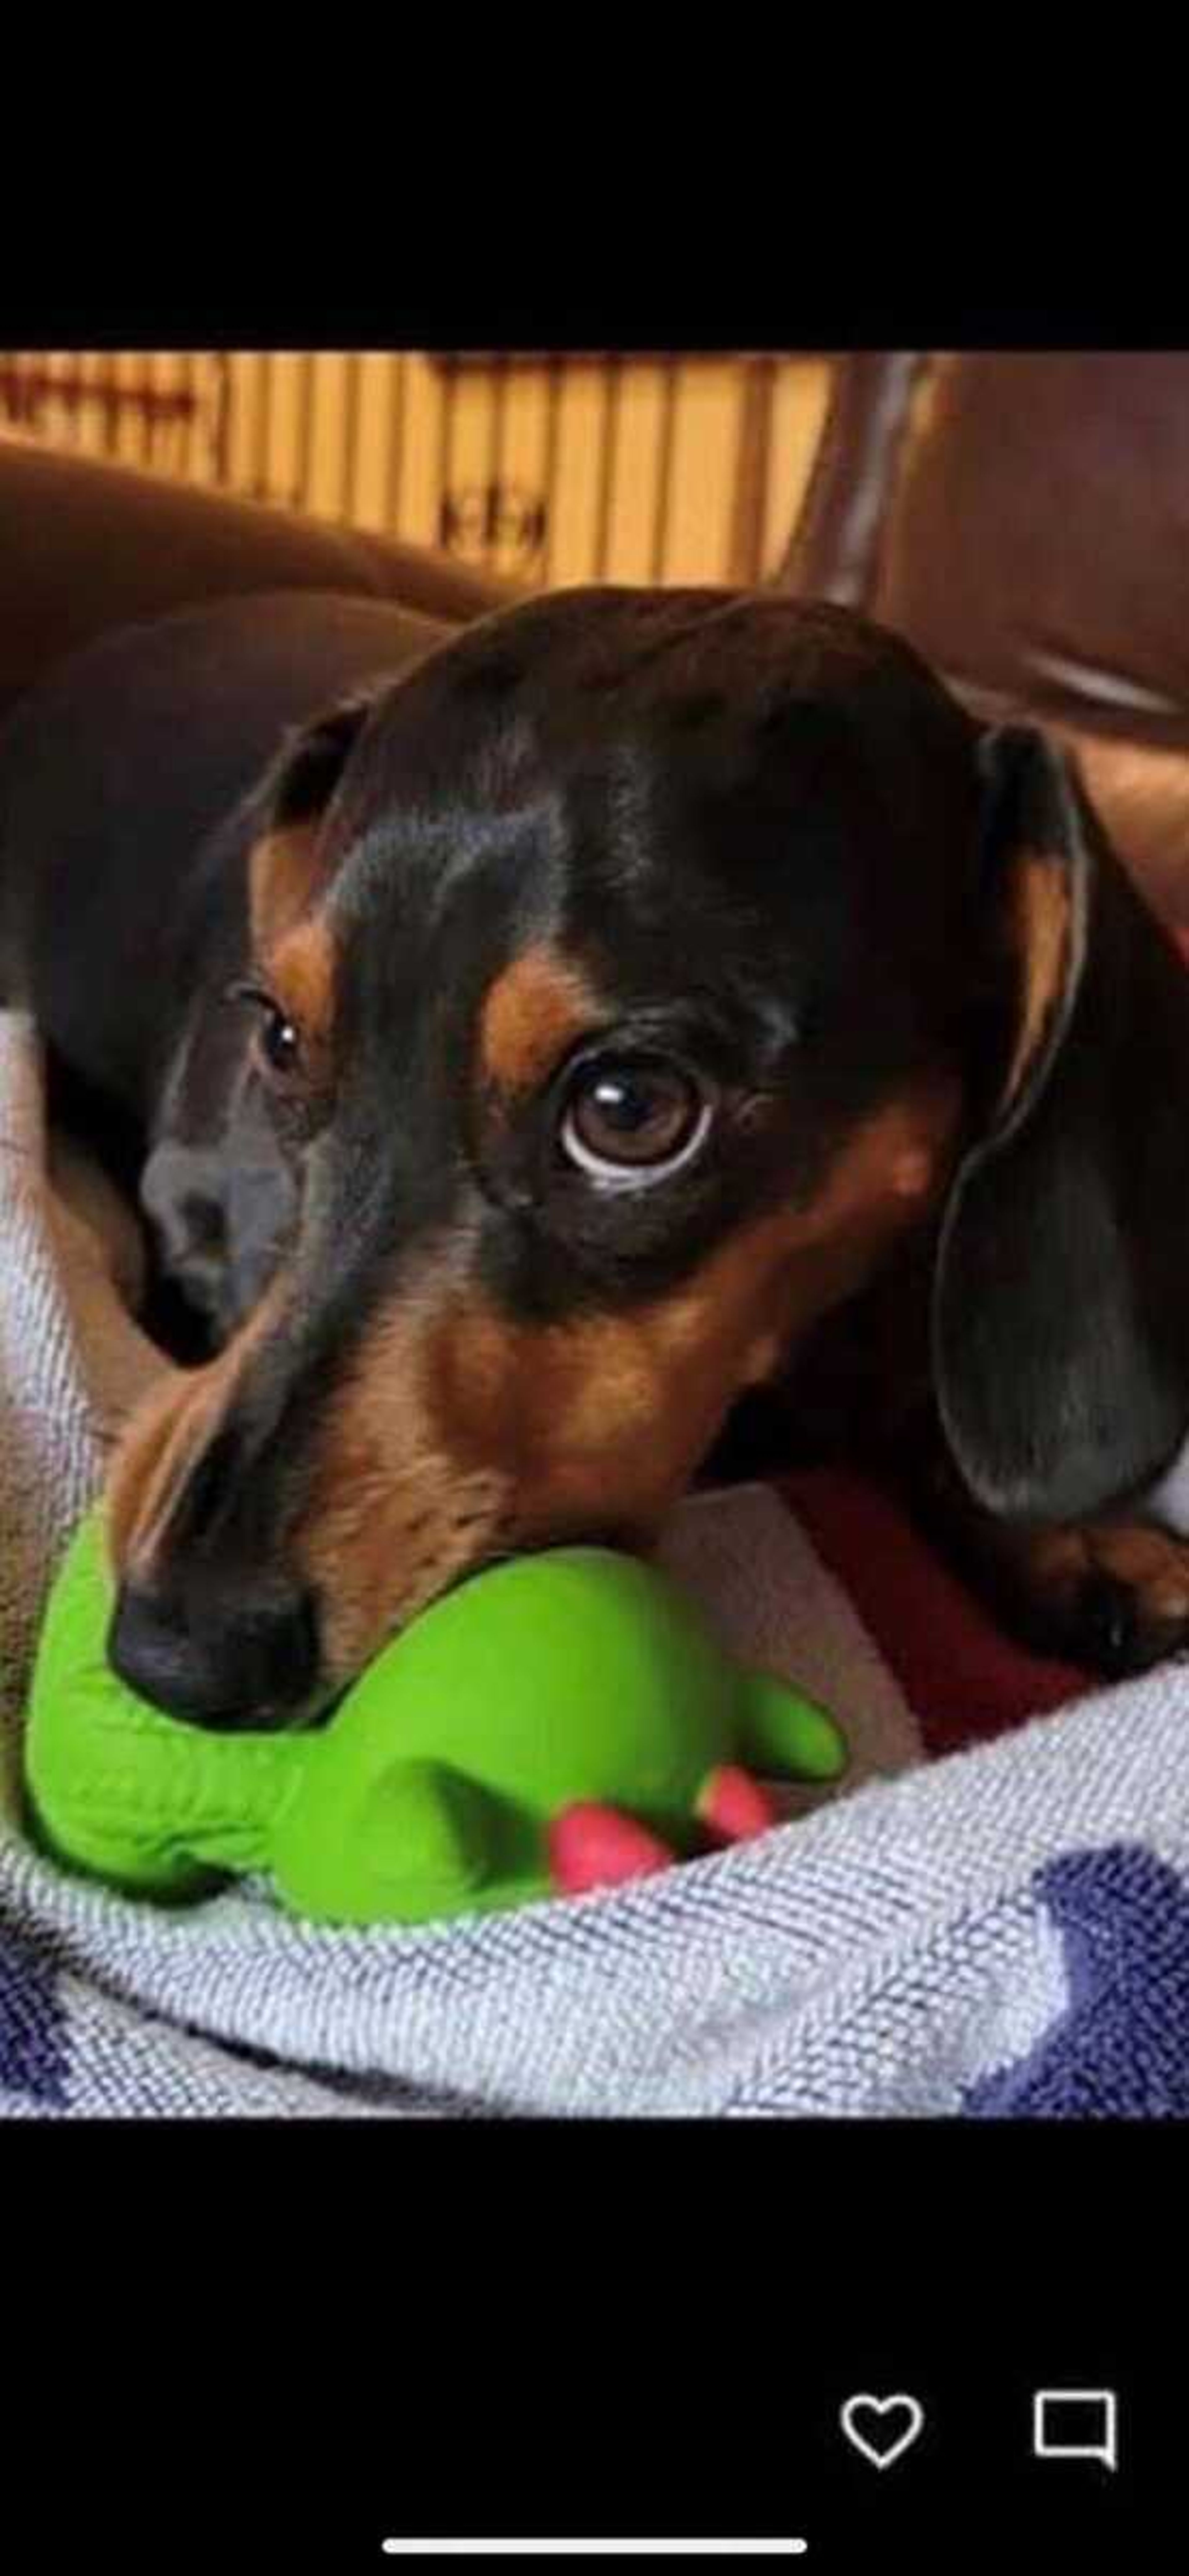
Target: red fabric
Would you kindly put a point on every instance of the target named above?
(964, 1680)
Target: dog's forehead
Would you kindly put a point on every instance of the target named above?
(744, 683)
(600, 768)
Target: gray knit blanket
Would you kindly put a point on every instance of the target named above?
(1000, 1932)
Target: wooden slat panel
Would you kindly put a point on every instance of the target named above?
(561, 468)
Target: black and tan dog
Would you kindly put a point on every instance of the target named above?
(644, 998)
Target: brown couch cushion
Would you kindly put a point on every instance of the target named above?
(1024, 520)
(85, 547)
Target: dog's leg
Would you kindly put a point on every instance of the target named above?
(1111, 1594)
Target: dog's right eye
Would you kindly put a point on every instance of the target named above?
(279, 1038)
(279, 1043)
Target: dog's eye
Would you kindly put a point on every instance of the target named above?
(279, 1039)
(280, 1044)
(629, 1115)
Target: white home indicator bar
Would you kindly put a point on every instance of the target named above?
(595, 2548)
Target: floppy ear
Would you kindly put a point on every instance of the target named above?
(286, 867)
(1061, 1291)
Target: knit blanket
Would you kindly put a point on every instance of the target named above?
(990, 1917)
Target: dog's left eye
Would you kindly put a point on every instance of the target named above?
(633, 1116)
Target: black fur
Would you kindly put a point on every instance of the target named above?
(775, 848)
(1061, 1306)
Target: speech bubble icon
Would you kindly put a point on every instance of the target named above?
(1076, 2424)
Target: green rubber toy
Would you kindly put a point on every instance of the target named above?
(561, 1722)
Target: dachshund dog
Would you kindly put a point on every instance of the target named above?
(647, 1004)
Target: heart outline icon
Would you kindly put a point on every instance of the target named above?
(900, 2403)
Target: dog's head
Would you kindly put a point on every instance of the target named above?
(633, 976)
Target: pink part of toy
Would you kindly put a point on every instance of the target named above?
(733, 1806)
(596, 1846)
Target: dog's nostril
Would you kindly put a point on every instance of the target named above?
(243, 1667)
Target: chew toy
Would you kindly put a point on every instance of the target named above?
(559, 1722)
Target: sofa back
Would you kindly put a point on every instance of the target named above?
(1024, 520)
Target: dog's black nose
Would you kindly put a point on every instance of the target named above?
(246, 1665)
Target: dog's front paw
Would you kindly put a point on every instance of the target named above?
(1112, 1596)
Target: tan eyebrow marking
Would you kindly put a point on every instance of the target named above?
(285, 875)
(539, 1005)
(1042, 932)
(300, 973)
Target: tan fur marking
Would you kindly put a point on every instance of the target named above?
(301, 975)
(537, 1008)
(285, 878)
(457, 1433)
(1151, 1562)
(392, 1514)
(610, 1413)
(1041, 930)
(509, 1434)
(164, 1441)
